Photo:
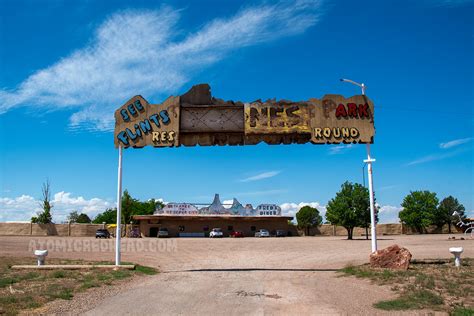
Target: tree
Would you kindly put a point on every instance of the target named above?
(82, 218)
(308, 217)
(130, 207)
(366, 221)
(109, 216)
(72, 217)
(45, 216)
(419, 209)
(445, 211)
(349, 208)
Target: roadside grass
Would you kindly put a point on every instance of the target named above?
(22, 289)
(440, 287)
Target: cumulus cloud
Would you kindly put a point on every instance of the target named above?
(389, 214)
(455, 142)
(261, 176)
(139, 52)
(227, 203)
(290, 209)
(22, 208)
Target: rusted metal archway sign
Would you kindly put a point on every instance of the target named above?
(197, 118)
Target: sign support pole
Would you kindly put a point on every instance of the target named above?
(369, 161)
(373, 230)
(118, 233)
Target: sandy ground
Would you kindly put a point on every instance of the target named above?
(274, 276)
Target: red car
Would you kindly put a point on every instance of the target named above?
(236, 234)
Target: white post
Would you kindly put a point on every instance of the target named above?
(119, 209)
(373, 231)
(369, 161)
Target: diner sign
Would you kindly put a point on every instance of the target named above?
(197, 118)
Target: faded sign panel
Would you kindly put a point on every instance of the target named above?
(138, 123)
(212, 119)
(277, 117)
(197, 118)
(337, 119)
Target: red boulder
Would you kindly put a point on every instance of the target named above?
(393, 257)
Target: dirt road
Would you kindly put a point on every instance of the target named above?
(242, 276)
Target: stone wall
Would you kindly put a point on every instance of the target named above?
(382, 229)
(82, 230)
(29, 229)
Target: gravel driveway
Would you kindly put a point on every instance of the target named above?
(241, 276)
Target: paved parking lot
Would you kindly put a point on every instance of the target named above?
(237, 276)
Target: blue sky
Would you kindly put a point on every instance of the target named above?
(65, 66)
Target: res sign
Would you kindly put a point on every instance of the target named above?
(196, 118)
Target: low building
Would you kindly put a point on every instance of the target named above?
(201, 225)
(187, 220)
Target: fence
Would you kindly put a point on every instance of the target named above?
(83, 230)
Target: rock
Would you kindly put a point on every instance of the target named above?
(199, 95)
(393, 257)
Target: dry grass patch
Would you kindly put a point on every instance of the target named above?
(26, 289)
(440, 287)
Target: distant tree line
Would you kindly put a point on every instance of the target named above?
(130, 207)
(350, 208)
(422, 209)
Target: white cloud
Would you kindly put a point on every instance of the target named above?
(24, 207)
(290, 209)
(261, 176)
(454, 143)
(139, 52)
(389, 214)
(339, 149)
(18, 209)
(227, 203)
(435, 157)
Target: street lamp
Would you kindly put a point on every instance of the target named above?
(369, 162)
(361, 85)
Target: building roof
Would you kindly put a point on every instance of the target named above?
(211, 217)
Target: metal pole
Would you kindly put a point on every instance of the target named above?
(119, 209)
(373, 231)
(369, 161)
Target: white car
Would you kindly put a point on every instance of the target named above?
(216, 233)
(262, 233)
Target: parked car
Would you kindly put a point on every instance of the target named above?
(280, 233)
(262, 233)
(102, 233)
(236, 234)
(163, 232)
(216, 233)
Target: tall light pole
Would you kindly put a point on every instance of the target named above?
(369, 161)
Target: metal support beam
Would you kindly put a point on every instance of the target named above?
(118, 233)
(373, 228)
